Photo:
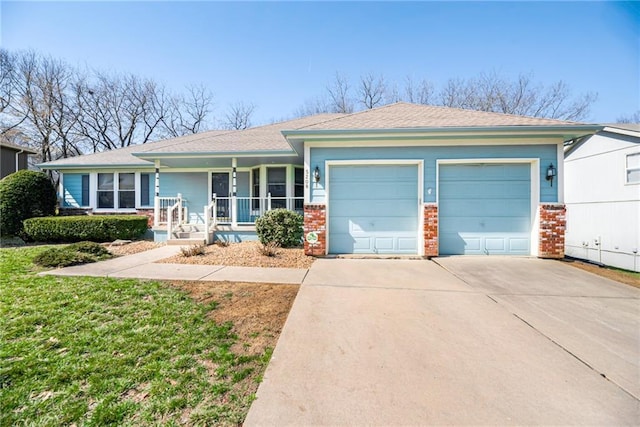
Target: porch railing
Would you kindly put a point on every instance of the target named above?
(246, 210)
(210, 218)
(164, 204)
(175, 215)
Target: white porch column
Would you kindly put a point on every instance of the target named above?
(156, 199)
(234, 189)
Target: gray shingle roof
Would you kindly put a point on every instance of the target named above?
(257, 139)
(269, 138)
(403, 115)
(124, 156)
(16, 147)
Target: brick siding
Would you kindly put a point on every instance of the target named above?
(315, 219)
(552, 227)
(430, 230)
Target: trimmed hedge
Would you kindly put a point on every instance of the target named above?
(280, 226)
(97, 228)
(24, 194)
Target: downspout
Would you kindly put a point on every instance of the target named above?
(18, 159)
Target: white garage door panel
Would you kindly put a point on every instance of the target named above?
(373, 209)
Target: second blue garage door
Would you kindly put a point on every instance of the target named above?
(373, 209)
(485, 209)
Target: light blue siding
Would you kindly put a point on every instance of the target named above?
(373, 209)
(485, 209)
(193, 186)
(72, 183)
(545, 153)
(242, 184)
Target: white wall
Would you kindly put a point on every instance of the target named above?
(603, 212)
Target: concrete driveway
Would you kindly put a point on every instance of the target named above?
(400, 342)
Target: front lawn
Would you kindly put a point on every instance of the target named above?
(98, 351)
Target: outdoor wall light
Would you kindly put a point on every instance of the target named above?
(316, 175)
(551, 173)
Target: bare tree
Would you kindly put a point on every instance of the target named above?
(119, 110)
(631, 118)
(371, 91)
(238, 116)
(491, 92)
(339, 95)
(47, 114)
(187, 113)
(313, 106)
(11, 116)
(418, 92)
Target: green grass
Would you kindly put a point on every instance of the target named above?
(98, 351)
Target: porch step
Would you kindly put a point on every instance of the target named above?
(188, 234)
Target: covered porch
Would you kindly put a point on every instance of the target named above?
(222, 202)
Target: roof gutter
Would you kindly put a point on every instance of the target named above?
(47, 166)
(574, 129)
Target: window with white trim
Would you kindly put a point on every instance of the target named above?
(105, 191)
(633, 168)
(126, 190)
(116, 190)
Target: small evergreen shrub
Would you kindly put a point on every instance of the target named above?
(91, 248)
(97, 228)
(24, 194)
(66, 256)
(280, 226)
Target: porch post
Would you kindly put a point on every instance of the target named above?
(156, 199)
(234, 189)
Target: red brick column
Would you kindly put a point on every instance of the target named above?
(315, 219)
(430, 230)
(149, 213)
(552, 227)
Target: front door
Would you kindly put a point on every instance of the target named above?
(220, 187)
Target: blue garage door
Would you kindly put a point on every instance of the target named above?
(485, 209)
(373, 209)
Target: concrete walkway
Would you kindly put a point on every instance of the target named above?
(143, 266)
(395, 342)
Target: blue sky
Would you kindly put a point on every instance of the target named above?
(279, 54)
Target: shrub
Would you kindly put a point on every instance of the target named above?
(269, 249)
(280, 226)
(98, 228)
(90, 248)
(24, 194)
(63, 257)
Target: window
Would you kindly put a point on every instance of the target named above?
(633, 168)
(85, 191)
(255, 188)
(298, 189)
(145, 189)
(277, 186)
(126, 190)
(105, 191)
(116, 191)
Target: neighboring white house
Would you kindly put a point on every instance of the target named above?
(602, 195)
